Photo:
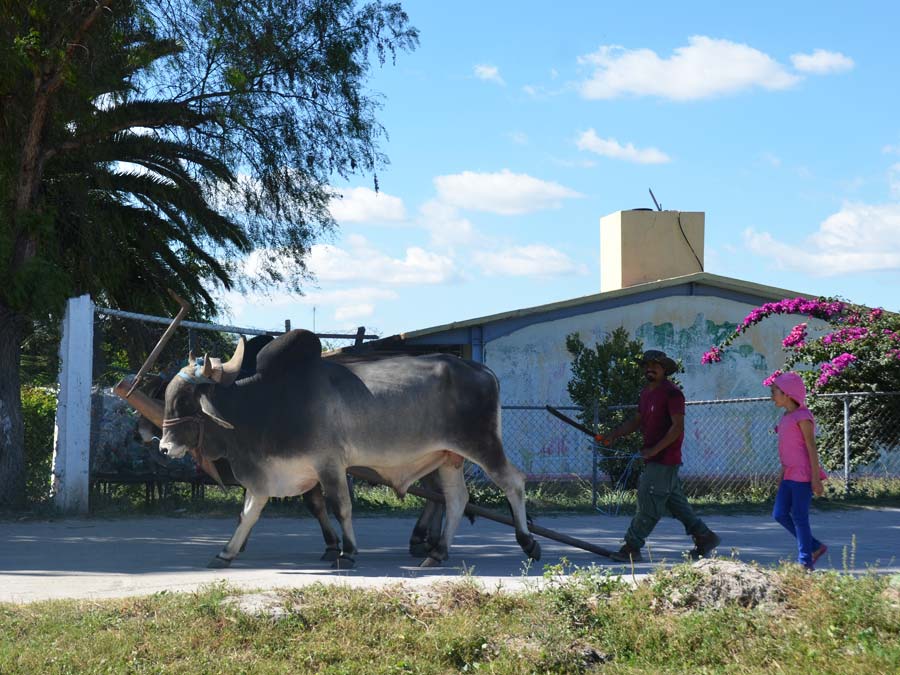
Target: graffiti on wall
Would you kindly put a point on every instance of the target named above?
(533, 367)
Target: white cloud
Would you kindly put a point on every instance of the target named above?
(858, 238)
(610, 147)
(488, 73)
(771, 159)
(359, 311)
(706, 67)
(822, 62)
(349, 304)
(448, 229)
(891, 150)
(505, 192)
(518, 137)
(894, 180)
(362, 262)
(534, 260)
(363, 205)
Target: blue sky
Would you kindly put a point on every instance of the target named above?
(515, 127)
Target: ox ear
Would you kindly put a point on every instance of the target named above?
(207, 407)
(232, 368)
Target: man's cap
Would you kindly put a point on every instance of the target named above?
(656, 356)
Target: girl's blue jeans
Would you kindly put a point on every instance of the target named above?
(792, 511)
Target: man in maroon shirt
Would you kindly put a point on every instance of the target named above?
(660, 418)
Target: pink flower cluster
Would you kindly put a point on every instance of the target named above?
(845, 335)
(770, 380)
(796, 338)
(814, 308)
(834, 367)
(714, 355)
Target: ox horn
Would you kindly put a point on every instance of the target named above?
(207, 371)
(185, 308)
(232, 368)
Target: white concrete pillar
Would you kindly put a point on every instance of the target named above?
(72, 436)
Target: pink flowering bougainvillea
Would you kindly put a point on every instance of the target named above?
(855, 349)
(797, 336)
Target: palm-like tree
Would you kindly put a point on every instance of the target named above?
(187, 93)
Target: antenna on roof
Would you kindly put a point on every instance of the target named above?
(658, 207)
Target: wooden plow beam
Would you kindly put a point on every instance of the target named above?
(373, 477)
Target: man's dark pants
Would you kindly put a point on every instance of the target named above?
(659, 488)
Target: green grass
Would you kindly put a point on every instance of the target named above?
(570, 497)
(824, 623)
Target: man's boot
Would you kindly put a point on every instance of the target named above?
(704, 544)
(627, 554)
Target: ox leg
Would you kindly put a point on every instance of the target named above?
(427, 530)
(253, 506)
(337, 494)
(453, 485)
(315, 502)
(512, 481)
(435, 524)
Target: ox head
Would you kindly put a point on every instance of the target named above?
(188, 402)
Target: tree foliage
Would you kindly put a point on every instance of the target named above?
(606, 376)
(857, 350)
(154, 144)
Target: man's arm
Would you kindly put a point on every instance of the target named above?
(624, 429)
(671, 436)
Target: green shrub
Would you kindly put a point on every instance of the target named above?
(38, 416)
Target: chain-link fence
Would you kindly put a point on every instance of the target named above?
(730, 446)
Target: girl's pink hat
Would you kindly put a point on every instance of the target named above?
(792, 385)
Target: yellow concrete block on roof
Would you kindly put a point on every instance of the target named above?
(642, 246)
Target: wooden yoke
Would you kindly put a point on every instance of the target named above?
(146, 406)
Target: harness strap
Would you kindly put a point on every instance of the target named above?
(198, 419)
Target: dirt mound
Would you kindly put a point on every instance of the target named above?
(712, 583)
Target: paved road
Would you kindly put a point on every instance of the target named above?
(93, 558)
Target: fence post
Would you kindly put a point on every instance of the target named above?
(594, 450)
(72, 436)
(846, 445)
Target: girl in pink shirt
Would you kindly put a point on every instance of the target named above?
(801, 475)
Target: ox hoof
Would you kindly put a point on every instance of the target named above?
(535, 552)
(431, 562)
(218, 563)
(344, 562)
(330, 555)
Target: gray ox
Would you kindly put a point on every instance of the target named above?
(426, 532)
(302, 420)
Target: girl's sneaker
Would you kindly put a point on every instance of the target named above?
(818, 553)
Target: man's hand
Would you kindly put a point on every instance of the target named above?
(647, 453)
